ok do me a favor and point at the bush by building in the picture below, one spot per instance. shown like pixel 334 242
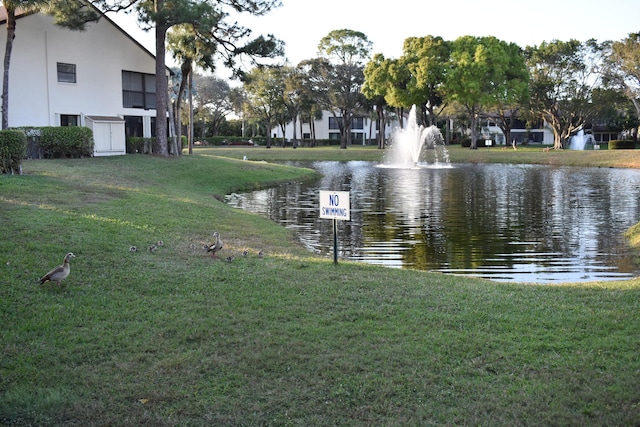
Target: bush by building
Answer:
pixel 13 148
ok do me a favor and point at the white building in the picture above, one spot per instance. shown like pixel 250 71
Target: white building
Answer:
pixel 100 78
pixel 363 129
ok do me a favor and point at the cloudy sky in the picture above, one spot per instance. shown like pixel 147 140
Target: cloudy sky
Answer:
pixel 302 23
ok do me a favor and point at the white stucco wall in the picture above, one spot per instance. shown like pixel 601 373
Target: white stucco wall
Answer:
pixel 100 54
pixel 323 131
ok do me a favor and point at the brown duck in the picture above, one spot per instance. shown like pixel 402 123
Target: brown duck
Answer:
pixel 59 273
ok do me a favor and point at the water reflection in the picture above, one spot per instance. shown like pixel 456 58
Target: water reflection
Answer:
pixel 521 223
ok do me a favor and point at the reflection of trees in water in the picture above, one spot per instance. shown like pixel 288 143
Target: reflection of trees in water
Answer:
pixel 513 220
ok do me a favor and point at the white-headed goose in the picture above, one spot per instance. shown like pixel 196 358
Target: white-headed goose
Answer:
pixel 216 245
pixel 59 273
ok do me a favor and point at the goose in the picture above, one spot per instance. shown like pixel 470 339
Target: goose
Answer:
pixel 215 246
pixel 59 273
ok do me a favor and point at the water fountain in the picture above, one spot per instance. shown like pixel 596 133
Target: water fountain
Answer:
pixel 412 143
pixel 580 140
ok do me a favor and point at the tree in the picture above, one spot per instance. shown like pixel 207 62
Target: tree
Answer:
pixel 624 68
pixel 425 61
pixel 417 77
pixel 212 96
pixel 512 89
pixel 480 77
pixel 376 86
pixel 264 87
pixel 293 97
pixel 187 47
pixel 340 69
pixel 563 75
pixel 231 39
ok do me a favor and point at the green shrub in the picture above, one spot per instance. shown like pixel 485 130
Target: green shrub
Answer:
pixel 66 141
pixel 13 148
pixel 621 144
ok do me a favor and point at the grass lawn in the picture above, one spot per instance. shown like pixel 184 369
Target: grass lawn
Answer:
pixel 176 337
pixel 523 154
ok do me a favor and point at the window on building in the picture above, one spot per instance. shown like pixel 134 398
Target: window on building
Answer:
pixel 333 136
pixel 357 138
pixel 333 123
pixel 133 126
pixel 69 120
pixel 138 90
pixel 357 123
pixel 523 124
pixel 66 73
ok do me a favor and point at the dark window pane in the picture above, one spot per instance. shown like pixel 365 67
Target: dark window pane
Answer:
pixel 66 73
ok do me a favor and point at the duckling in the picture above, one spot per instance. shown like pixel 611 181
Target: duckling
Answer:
pixel 59 273
pixel 229 258
pixel 153 248
pixel 133 249
pixel 260 253
pixel 215 246
pixel 245 253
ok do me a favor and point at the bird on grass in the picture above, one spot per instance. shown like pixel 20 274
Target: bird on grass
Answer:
pixel 260 253
pixel 59 273
pixel 229 258
pixel 216 245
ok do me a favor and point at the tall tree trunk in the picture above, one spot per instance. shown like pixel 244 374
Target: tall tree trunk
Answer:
pixel 474 133
pixel 186 71
pixel 162 86
pixel 294 121
pixel 268 134
pixel 11 34
pixel 190 117
pixel 381 127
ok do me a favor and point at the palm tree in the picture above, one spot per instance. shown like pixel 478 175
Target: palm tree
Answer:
pixel 187 46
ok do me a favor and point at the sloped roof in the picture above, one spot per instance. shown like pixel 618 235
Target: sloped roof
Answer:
pixel 109 119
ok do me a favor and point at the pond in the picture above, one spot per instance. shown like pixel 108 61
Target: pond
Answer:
pixel 520 223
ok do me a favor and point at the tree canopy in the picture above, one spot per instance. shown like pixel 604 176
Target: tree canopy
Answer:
pixel 563 76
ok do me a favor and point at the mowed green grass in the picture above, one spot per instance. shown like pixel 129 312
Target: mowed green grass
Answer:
pixel 176 337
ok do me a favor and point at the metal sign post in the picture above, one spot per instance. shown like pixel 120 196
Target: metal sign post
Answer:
pixel 335 205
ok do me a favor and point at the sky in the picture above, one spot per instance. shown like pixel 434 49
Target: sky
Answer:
pixel 302 23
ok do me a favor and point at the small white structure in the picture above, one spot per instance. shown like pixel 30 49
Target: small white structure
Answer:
pixel 108 135
pixel 100 78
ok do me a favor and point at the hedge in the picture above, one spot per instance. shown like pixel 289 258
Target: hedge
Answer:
pixel 621 144
pixel 13 148
pixel 66 141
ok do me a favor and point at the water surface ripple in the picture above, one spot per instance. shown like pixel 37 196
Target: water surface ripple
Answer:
pixel 523 223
